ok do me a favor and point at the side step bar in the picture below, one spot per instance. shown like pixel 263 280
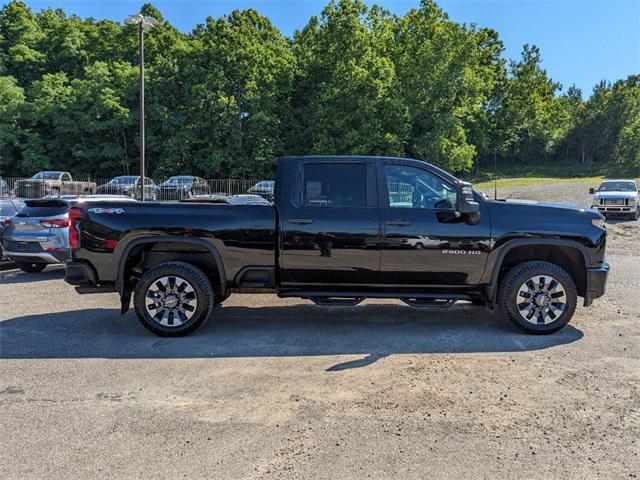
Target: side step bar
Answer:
pixel 349 299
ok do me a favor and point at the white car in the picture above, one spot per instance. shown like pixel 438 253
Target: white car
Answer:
pixel 617 197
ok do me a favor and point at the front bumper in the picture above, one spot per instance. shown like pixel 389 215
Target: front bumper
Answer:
pixel 615 209
pixel 596 283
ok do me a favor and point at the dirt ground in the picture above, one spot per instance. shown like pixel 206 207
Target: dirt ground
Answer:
pixel 275 389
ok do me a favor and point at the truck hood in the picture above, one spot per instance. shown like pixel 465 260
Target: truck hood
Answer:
pixel 629 195
pixel 549 205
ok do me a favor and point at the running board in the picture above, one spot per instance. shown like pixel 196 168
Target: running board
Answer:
pixel 351 298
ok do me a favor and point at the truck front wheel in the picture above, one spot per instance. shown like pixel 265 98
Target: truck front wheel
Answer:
pixel 173 299
pixel 537 297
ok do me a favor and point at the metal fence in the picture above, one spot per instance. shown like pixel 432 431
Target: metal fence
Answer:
pixel 172 189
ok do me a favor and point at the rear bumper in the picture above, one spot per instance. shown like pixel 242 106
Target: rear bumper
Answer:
pixel 596 283
pixel 39 257
pixel 79 273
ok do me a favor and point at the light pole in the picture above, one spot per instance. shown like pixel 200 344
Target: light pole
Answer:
pixel 143 23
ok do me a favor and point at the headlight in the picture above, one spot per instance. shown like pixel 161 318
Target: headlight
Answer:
pixel 597 222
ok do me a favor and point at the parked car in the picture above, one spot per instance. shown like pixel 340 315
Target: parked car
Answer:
pixel 331 237
pixel 182 186
pixel 264 189
pixel 38 234
pixel 617 197
pixel 128 185
pixel 8 208
pixel 52 183
pixel 4 188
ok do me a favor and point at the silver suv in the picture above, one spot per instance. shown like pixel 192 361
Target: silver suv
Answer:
pixel 38 235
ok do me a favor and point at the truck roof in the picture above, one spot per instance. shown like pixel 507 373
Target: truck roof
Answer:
pixel 375 158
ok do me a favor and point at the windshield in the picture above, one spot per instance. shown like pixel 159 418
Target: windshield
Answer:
pixel 618 187
pixel 265 184
pixel 178 180
pixel 47 175
pixel 123 180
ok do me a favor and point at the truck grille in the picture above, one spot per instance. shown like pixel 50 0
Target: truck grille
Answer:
pixel 613 201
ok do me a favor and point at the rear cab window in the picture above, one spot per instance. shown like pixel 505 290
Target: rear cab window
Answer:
pixel 334 185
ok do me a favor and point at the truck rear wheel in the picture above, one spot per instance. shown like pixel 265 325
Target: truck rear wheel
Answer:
pixel 173 299
pixel 537 297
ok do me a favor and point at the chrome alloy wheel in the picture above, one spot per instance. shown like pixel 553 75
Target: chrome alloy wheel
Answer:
pixel 541 300
pixel 171 301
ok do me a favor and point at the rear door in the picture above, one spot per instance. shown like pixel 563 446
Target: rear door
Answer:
pixel 330 223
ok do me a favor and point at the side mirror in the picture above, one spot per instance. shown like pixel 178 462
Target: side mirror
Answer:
pixel 465 202
pixel 592 191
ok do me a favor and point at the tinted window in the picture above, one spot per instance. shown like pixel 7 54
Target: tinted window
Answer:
pixel 66 177
pixel 47 175
pixel 410 187
pixel 335 184
pixel 43 208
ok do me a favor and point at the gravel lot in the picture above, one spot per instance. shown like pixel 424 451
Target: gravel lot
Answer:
pixel 282 389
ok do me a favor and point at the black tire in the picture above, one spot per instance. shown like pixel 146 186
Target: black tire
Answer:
pixel 196 280
pixel 510 301
pixel 31 267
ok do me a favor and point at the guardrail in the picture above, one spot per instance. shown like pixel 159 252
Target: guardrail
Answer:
pixel 162 189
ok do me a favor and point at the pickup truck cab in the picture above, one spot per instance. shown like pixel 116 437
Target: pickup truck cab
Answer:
pixel 343 229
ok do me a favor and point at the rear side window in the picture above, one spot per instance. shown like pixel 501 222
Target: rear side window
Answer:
pixel 335 185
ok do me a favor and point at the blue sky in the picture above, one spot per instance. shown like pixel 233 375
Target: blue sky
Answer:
pixel 581 41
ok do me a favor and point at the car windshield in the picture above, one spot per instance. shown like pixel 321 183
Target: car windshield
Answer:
pixel 123 180
pixel 265 184
pixel 178 180
pixel 617 187
pixel 47 175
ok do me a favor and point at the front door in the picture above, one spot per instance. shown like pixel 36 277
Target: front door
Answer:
pixel 331 225
pixel 424 242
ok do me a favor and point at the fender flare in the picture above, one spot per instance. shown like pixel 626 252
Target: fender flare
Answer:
pixel 125 292
pixel 492 287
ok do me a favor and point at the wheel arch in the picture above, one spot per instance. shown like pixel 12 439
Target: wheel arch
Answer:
pixel 570 255
pixel 136 248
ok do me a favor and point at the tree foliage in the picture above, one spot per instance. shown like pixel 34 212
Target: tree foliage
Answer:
pixel 229 97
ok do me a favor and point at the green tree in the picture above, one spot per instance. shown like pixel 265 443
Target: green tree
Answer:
pixel 347 98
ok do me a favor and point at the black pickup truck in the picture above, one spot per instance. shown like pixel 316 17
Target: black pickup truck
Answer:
pixel 343 229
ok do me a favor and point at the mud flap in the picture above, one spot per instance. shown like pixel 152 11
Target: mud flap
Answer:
pixel 125 300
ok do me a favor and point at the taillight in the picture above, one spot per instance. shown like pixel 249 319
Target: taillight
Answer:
pixel 75 214
pixel 55 223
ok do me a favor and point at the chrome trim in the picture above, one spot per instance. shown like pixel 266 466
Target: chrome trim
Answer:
pixel 42 255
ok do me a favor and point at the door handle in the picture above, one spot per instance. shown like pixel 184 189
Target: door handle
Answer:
pixel 399 223
pixel 300 221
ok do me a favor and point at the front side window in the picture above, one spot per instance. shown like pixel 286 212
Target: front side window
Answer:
pixel 66 177
pixel 335 185
pixel 410 187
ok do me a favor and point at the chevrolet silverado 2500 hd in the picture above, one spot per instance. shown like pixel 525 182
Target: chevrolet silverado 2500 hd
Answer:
pixel 343 229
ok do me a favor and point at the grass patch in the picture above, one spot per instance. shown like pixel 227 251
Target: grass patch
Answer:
pixel 528 181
